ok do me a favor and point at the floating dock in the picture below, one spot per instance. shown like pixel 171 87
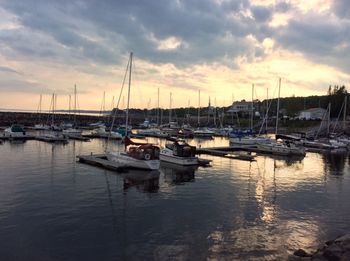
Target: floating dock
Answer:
pixel 27 137
pixel 77 137
pixel 96 136
pixel 100 160
pixel 52 139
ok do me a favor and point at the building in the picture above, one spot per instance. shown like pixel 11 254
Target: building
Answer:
pixel 241 106
pixel 312 114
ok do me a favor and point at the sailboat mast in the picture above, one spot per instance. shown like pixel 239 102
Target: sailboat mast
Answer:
pixel 278 104
pixel 252 110
pixel 344 112
pixel 128 102
pixel 40 108
pixel 267 108
pixel 199 106
pixel 170 107
pixel 329 118
pixel 158 109
pixel 75 104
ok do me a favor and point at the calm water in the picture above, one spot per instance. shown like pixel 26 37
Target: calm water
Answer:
pixel 53 208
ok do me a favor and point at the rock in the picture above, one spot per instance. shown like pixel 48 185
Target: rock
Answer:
pixel 301 253
pixel 345 240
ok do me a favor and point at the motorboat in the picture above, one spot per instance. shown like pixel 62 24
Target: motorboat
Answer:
pixel 15 131
pixel 179 152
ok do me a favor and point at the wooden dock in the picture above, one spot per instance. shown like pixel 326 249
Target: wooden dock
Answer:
pixel 52 139
pixel 77 137
pixel 95 136
pixel 27 137
pixel 100 160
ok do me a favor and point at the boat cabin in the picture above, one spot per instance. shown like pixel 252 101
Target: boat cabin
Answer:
pixel 144 152
pixel 182 149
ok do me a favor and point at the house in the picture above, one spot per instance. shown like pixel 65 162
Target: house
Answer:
pixel 241 106
pixel 312 114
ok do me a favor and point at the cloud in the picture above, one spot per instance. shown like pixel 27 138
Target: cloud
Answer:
pixel 177 44
pixel 9 70
pixel 318 37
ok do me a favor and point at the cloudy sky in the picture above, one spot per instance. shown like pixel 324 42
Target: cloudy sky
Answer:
pixel 220 47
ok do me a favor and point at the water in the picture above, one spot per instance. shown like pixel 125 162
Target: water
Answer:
pixel 53 208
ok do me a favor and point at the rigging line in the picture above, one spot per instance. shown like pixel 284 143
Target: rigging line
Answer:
pixel 268 109
pixel 116 108
pixel 336 123
pixel 136 84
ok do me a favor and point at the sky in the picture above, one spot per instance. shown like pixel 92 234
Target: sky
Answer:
pixel 219 47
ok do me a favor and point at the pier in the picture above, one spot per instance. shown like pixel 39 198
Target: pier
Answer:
pixel 100 160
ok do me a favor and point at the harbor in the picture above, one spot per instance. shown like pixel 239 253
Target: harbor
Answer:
pixel 174 130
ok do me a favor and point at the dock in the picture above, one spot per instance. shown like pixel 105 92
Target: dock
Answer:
pixel 24 138
pixel 231 154
pixel 95 136
pixel 53 139
pixel 100 160
pixel 77 137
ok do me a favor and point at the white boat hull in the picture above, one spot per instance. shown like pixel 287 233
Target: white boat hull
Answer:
pixel 72 131
pixel 184 161
pixel 124 160
pixel 249 140
pixel 283 150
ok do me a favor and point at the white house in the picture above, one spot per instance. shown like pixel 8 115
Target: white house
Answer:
pixel 312 114
pixel 241 106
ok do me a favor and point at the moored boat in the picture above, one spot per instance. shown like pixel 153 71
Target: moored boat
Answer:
pixel 144 156
pixel 15 131
pixel 284 149
pixel 180 153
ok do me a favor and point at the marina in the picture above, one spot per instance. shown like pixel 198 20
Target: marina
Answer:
pixel 174 130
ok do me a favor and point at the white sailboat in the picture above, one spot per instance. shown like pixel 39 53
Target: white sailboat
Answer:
pixel 40 125
pixel 140 156
pixel 73 130
pixel 102 133
pixel 279 148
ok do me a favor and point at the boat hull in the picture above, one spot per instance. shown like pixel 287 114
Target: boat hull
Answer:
pixel 183 161
pixel 124 160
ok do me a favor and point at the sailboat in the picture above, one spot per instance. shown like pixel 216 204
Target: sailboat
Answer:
pixel 40 125
pixel 73 130
pixel 279 148
pixel 141 155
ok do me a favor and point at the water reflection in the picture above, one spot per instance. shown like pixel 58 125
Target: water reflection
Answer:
pixel 143 181
pixel 334 163
pixel 260 210
pixel 176 174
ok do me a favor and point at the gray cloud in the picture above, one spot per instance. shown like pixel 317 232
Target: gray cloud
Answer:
pixel 319 39
pixel 83 34
pixel 8 70
pixel 121 26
